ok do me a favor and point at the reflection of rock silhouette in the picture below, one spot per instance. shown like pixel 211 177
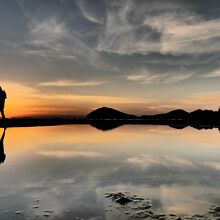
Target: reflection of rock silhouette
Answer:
pixel 106 125
pixel 178 126
pixel 2 153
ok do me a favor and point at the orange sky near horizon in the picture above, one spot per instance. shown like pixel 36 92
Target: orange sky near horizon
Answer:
pixel 25 101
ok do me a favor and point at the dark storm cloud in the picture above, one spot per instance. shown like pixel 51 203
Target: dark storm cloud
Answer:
pixel 157 41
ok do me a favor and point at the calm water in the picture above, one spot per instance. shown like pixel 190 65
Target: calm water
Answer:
pixel 68 170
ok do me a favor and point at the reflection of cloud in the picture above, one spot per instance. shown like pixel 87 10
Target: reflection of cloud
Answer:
pixel 213 165
pixel 72 184
pixel 146 161
pixel 70 154
pixel 178 199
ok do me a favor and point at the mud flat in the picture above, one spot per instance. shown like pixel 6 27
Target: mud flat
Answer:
pixel 140 207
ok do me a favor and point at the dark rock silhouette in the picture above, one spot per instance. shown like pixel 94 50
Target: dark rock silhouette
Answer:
pixel 206 117
pixel 109 113
pixel 123 200
pixel 107 118
pixel 119 197
pixel 175 114
pixel 179 119
pixel 2 153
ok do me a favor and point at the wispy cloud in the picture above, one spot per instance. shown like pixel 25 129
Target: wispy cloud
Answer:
pixel 50 37
pixel 122 36
pixel 197 37
pixel 71 83
pixel 70 154
pixel 128 43
pixel 154 78
pixel 142 28
pixel 49 30
pixel 215 73
pixel 89 13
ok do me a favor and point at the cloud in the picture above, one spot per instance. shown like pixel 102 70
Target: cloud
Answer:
pixel 70 154
pixel 203 100
pixel 53 38
pixel 124 37
pixel 154 78
pixel 198 37
pixel 91 11
pixel 215 73
pixel 169 28
pixel 49 30
pixel 126 42
pixel 71 83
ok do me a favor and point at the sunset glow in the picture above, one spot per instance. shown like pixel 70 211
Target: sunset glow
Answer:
pixel 70 57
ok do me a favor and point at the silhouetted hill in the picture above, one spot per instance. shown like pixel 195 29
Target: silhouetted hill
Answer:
pixel 109 113
pixel 178 113
pixel 175 114
pixel 204 117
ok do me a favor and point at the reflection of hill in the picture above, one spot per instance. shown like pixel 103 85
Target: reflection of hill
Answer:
pixel 178 126
pixel 106 125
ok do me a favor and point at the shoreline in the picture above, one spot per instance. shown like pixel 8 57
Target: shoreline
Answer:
pixel 103 124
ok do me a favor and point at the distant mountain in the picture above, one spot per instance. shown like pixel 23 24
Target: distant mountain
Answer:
pixel 175 114
pixel 109 113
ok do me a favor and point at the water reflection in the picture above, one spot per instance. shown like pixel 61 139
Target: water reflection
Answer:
pixel 112 124
pixel 2 153
pixel 70 168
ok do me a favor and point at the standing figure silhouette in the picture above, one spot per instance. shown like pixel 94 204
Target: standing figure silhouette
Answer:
pixel 3 96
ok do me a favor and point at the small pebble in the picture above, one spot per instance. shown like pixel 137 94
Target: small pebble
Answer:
pixel 18 212
pixel 172 215
pixel 217 208
pixel 48 211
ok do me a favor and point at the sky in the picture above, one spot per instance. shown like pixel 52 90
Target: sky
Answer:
pixel 68 57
